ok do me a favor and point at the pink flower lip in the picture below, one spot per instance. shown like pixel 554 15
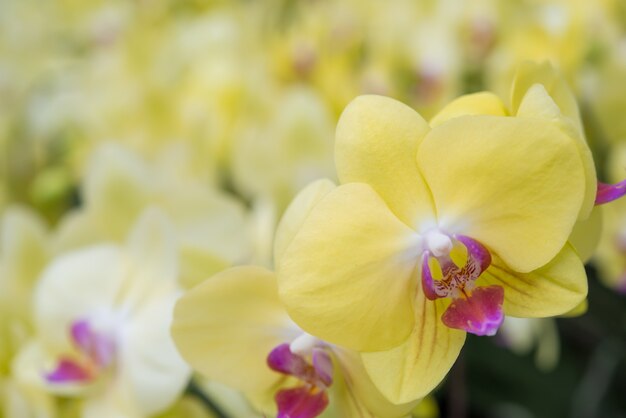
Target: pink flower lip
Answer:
pixel 479 313
pixel 96 352
pixel 68 371
pixel 477 310
pixel 300 402
pixel 455 278
pixel 310 399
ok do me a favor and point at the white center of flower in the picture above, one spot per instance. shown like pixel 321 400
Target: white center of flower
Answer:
pixel 303 345
pixel 438 244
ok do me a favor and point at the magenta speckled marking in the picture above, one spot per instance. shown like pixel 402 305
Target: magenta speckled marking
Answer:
pixel 455 278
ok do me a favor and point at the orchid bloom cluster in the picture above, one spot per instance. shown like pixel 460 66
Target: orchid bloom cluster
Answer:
pixel 299 209
pixel 435 230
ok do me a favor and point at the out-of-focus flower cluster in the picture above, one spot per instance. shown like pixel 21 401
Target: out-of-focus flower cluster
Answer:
pixel 150 145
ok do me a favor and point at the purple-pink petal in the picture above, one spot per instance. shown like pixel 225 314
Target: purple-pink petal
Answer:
pixel 282 360
pixel 68 371
pixel 98 347
pixel 323 365
pixel 301 402
pixel 428 282
pixel 479 314
pixel 81 335
pixel 476 252
pixel 609 192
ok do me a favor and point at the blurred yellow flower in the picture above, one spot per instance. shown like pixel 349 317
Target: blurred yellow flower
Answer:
pixel 102 317
pixel 211 227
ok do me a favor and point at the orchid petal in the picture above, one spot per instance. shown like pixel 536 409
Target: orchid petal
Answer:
pixel 323 365
pixel 116 183
pixel 537 102
pixel 476 253
pixel 282 360
pixel 530 73
pixel 586 235
pixel 480 313
pixel 413 369
pixel 513 184
pixel 74 285
pixel 609 257
pixel 553 289
pixel 152 243
pixel 296 214
pixel 377 140
pixel 483 103
pixel 339 265
pixel 68 371
pixel 355 395
pixel 152 259
pixel 301 402
pixel 610 192
pixel 428 282
pixel 97 347
pixel 149 366
pixel 226 327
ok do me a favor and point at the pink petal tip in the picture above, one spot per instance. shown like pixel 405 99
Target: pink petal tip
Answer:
pixel 300 402
pixel 479 314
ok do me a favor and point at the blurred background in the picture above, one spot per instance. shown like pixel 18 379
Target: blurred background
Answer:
pixel 229 107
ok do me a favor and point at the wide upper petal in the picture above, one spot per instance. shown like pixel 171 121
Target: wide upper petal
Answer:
pixel 514 184
pixel 377 140
pixel 554 289
pixel 412 370
pixel 348 275
pixel 226 327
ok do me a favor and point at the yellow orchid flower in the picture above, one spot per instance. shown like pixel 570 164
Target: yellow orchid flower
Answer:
pixel 434 232
pixel 233 329
pixel 102 316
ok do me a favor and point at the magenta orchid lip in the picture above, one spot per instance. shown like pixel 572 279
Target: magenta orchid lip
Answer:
pixel 309 399
pixel 95 353
pixel 477 310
